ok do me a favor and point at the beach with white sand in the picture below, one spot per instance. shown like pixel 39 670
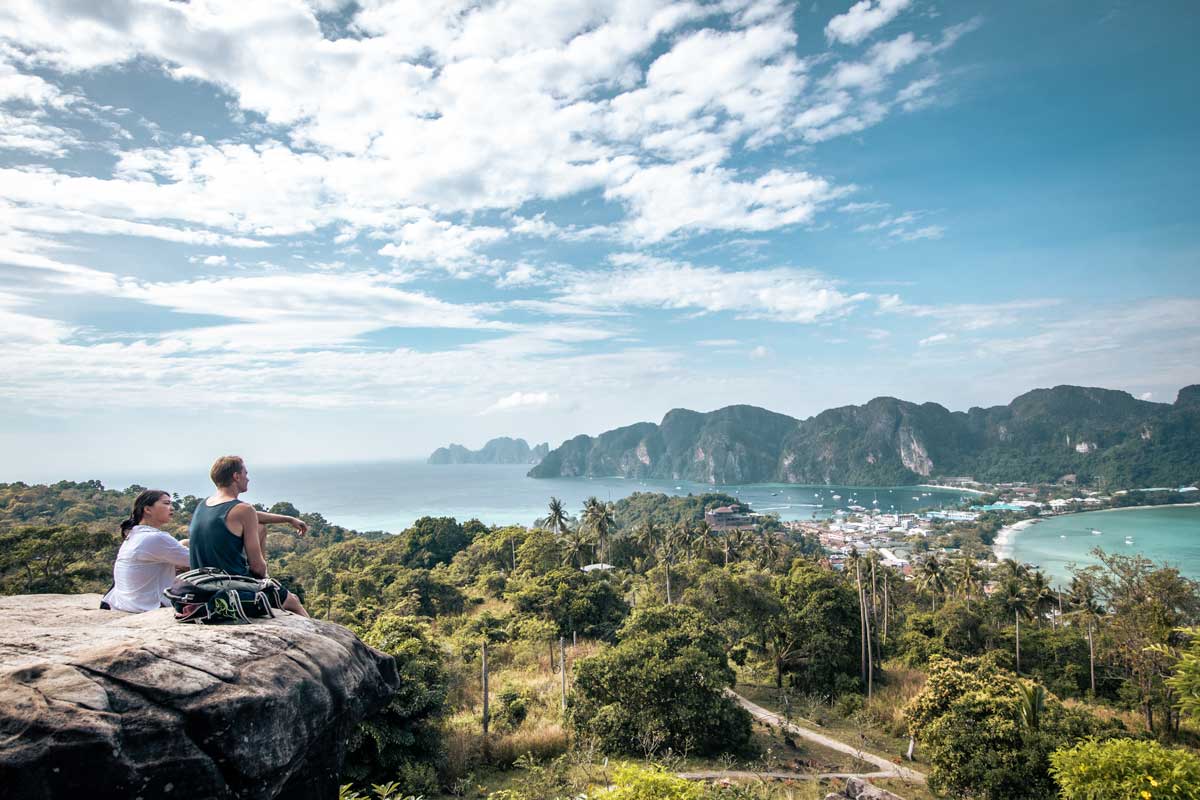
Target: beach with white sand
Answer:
pixel 1003 545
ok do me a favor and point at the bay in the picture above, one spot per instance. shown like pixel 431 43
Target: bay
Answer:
pixel 390 495
pixel 1164 534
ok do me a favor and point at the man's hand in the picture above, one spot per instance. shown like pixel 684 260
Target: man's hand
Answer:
pixel 300 525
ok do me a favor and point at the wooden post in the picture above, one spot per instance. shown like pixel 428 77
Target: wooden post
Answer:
pixel 562 664
pixel 574 640
pixel 485 698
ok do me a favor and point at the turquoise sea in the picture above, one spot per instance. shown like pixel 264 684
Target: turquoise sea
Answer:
pixel 1167 534
pixel 390 495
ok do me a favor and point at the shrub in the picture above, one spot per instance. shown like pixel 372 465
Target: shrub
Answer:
pixel 662 686
pixel 402 740
pixel 988 734
pixel 1125 768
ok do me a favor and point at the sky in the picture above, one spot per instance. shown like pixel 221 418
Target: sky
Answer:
pixel 331 231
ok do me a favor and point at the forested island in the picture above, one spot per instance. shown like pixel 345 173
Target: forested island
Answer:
pixel 1100 435
pixel 999 686
pixel 502 450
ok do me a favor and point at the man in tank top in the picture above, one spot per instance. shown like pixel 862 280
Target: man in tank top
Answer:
pixel 230 534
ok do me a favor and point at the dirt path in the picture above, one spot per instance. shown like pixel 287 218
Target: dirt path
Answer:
pixel 887 768
pixel 736 775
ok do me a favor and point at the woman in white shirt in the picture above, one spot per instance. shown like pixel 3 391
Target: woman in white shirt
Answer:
pixel 148 557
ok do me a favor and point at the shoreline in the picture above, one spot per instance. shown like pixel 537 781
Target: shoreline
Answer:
pixel 950 488
pixel 1002 545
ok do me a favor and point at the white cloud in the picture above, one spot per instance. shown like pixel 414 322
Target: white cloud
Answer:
pixel 760 352
pixel 972 316
pixel 718 342
pixel 1146 396
pixel 671 198
pixel 780 294
pixel 522 400
pixel 937 338
pixel 863 19
pixel 210 261
pixel 859 208
pixel 915 234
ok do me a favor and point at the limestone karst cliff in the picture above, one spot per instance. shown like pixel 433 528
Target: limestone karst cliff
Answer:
pixel 1040 435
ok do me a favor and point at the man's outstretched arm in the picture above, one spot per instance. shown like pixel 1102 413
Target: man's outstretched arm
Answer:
pixel 266 518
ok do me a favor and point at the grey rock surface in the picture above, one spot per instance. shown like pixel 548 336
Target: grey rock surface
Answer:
pixel 101 704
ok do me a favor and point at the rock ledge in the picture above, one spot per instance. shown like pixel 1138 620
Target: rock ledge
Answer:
pixel 102 704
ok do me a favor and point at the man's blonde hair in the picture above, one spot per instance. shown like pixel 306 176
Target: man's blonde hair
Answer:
pixel 224 468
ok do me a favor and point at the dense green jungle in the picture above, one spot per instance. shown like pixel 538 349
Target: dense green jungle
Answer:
pixel 615 682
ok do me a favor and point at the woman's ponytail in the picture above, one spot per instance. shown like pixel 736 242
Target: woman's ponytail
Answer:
pixel 144 500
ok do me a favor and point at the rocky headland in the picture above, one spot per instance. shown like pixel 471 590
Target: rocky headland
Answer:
pixel 502 450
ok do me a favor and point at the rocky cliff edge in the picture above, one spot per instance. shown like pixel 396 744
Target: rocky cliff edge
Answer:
pixel 101 704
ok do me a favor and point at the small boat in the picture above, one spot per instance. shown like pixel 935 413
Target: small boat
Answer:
pixel 837 497
pixel 916 498
pixel 1062 536
pixel 1096 532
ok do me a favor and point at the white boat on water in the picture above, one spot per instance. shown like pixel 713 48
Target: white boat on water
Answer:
pixel 1096 532
pixel 837 497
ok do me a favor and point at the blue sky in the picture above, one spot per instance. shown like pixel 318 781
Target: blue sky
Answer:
pixel 307 231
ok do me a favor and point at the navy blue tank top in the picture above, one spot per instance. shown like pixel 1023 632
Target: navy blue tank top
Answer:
pixel 210 543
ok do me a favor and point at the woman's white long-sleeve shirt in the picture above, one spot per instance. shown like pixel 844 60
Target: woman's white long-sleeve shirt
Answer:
pixel 145 567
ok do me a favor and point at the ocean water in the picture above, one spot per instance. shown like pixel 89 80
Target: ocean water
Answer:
pixel 390 495
pixel 1165 534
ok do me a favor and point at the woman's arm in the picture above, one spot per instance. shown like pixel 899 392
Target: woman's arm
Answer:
pixel 164 547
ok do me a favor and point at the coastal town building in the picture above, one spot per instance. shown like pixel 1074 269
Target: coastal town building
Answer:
pixel 730 518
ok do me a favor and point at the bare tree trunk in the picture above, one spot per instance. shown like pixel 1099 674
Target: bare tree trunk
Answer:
pixel 562 665
pixel 485 699
pixel 1017 617
pixel 862 624
pixel 886 608
pixel 1092 658
pixel 667 566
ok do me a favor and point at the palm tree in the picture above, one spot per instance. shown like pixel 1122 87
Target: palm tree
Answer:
pixel 735 541
pixel 703 538
pixel 1042 597
pixel 556 520
pixel 599 518
pixel 966 576
pixel 1014 598
pixel 932 578
pixel 575 543
pixel 864 622
pixel 666 555
pixel 1033 703
pixel 1087 608
pixel 1011 568
pixel 646 534
pixel 683 536
pixel 770 548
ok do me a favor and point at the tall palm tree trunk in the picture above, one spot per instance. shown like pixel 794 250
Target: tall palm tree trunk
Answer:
pixel 1017 617
pixel 1092 658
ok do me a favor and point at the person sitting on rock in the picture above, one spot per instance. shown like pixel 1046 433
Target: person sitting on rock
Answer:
pixel 230 534
pixel 148 558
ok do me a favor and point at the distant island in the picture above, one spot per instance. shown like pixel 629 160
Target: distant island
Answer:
pixel 1074 432
pixel 503 450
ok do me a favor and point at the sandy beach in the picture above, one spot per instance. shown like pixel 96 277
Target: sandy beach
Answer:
pixel 951 488
pixel 1002 547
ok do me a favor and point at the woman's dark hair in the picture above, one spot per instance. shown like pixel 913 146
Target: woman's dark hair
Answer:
pixel 144 500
